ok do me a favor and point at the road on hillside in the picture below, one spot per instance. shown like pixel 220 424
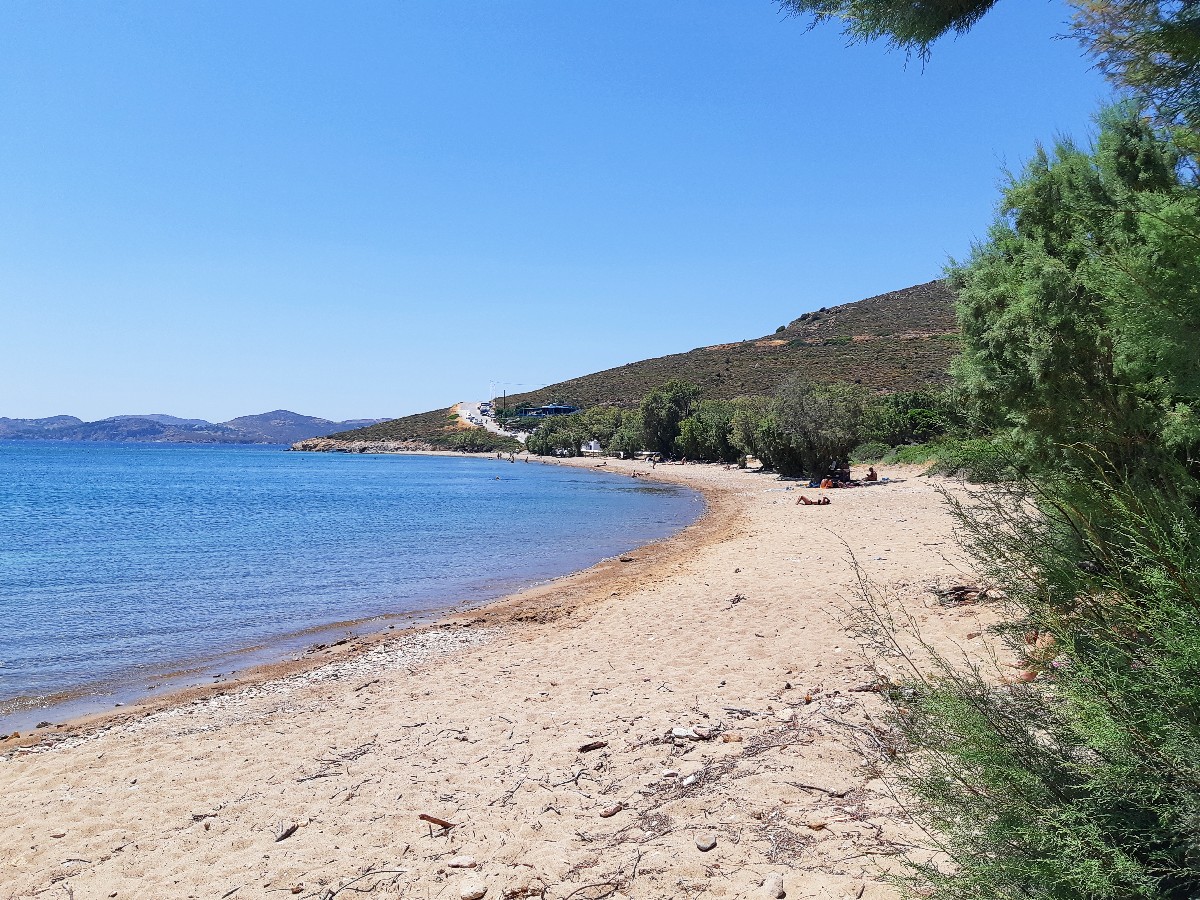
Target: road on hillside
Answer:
pixel 469 412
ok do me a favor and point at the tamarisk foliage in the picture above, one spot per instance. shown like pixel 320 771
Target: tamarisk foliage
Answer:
pixel 1077 777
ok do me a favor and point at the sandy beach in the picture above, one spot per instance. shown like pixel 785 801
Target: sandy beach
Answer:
pixel 683 721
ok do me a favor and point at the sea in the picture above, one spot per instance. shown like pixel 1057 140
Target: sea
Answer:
pixel 127 569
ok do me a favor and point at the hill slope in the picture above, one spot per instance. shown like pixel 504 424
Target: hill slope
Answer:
pixel 439 429
pixel 901 340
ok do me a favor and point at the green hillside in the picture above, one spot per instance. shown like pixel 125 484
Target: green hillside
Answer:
pixel 902 340
pixel 434 427
pixel 439 429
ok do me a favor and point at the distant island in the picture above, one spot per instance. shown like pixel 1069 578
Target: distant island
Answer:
pixel 280 426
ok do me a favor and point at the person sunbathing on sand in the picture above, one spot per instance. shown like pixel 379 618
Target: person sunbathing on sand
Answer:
pixel 820 501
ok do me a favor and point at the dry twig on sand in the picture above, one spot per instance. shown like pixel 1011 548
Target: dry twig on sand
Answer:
pixel 434 820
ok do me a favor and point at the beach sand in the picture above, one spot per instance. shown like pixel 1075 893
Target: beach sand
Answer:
pixel 711 672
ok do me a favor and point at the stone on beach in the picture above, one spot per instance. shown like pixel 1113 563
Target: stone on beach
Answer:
pixel 773 886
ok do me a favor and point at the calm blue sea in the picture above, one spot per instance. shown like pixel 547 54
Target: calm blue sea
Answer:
pixel 119 563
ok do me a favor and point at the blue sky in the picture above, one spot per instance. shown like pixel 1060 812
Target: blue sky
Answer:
pixel 376 208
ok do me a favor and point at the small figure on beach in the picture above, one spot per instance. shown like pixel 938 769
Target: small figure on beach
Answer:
pixel 820 501
pixel 872 475
pixel 839 471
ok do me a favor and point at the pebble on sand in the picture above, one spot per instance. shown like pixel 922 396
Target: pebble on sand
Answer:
pixel 462 862
pixel 773 886
pixel 706 842
pixel 473 890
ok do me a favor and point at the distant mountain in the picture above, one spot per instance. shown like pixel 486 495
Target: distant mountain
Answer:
pixel 162 419
pixel 278 427
pixel 23 427
pixel 284 427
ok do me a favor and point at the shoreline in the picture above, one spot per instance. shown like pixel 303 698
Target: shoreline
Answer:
pixel 697 720
pixel 132 702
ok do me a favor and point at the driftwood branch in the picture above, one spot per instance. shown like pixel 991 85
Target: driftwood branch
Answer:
pixel 434 820
pixel 816 787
